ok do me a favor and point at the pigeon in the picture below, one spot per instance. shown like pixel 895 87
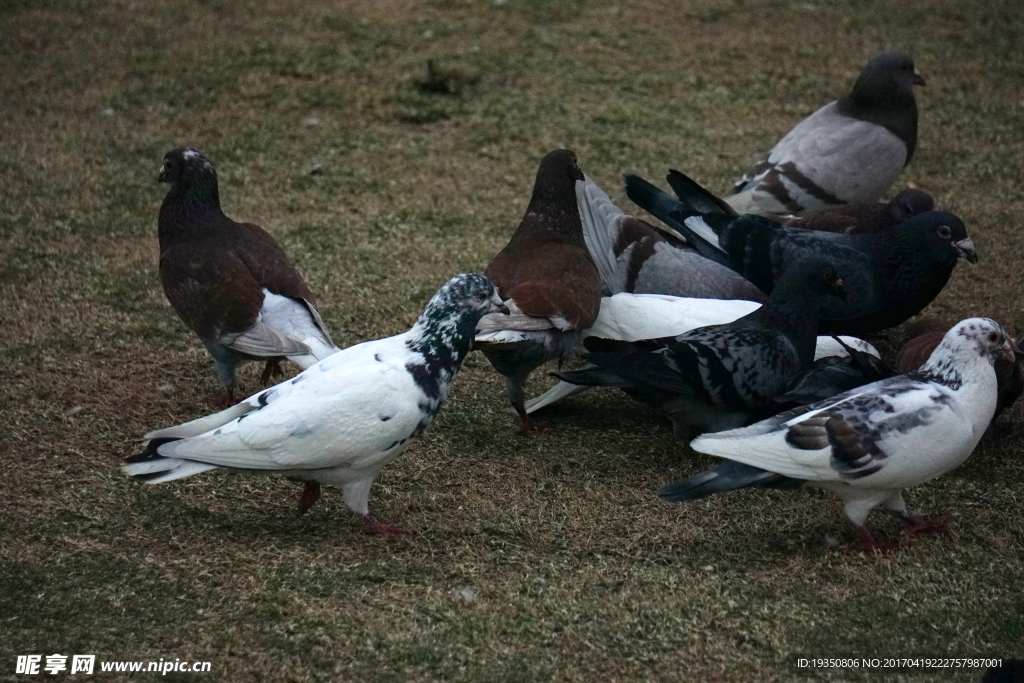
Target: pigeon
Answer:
pixel 720 377
pixel 848 152
pixel 889 276
pixel 340 421
pixel 869 444
pixel 861 219
pixel 632 256
pixel 634 317
pixel 548 280
pixel 231 282
pixel 924 335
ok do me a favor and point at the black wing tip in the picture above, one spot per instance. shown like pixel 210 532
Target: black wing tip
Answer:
pixel 151 451
pixel 727 476
pixel 148 476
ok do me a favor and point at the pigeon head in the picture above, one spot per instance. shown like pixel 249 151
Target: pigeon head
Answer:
pixel 940 234
pixel 556 178
pixel 472 294
pixel 909 203
pixel 809 278
pixel 191 176
pixel 970 339
pixel 453 313
pixel 887 73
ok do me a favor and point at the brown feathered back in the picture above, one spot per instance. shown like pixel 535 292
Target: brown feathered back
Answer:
pixel 546 267
pixel 861 219
pixel 921 339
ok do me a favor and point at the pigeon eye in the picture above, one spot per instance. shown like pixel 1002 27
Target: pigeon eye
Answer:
pixel 945 232
pixel 481 296
pixel 993 337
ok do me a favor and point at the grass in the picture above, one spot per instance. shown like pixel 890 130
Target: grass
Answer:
pixel 538 559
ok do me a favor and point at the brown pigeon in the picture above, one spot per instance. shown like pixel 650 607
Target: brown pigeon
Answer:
pixel 548 279
pixel 231 282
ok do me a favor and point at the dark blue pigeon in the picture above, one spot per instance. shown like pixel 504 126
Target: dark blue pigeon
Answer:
pixel 889 276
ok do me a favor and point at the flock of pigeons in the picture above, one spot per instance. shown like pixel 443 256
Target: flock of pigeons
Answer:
pixel 726 319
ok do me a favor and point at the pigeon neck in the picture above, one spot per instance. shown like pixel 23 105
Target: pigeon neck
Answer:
pixel 551 217
pixel 197 193
pixel 794 311
pixel 913 275
pixel 442 336
pixel 185 204
pixel 964 369
pixel 887 105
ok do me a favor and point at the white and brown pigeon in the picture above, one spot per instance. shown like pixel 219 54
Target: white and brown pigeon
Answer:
pixel 548 280
pixel 868 444
pixel 231 282
pixel 849 151
pixel 342 420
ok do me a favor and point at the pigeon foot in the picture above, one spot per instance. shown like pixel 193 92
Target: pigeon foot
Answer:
pixel 526 426
pixel 374 527
pixel 270 370
pixel 866 543
pixel 310 495
pixel 222 399
pixel 928 525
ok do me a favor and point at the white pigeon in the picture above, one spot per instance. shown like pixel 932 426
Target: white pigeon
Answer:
pixel 869 444
pixel 340 421
pixel 850 151
pixel 632 317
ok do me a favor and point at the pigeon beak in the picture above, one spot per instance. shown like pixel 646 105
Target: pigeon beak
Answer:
pixel 162 178
pixel 840 290
pixel 1009 353
pixel 918 78
pixel 498 306
pixel 965 249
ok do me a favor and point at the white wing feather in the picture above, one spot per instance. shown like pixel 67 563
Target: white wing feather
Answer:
pixel 331 415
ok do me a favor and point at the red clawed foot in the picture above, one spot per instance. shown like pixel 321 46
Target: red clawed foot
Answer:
pixel 866 543
pixel 527 426
pixel 377 528
pixel 310 495
pixel 222 399
pixel 928 525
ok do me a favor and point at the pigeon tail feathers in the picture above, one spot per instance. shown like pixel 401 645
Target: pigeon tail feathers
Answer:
pixel 152 468
pixel 726 476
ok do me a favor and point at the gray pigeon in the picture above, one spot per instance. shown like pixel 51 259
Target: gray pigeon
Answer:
pixel 848 152
pixel 340 421
pixel 634 257
pixel 868 444
pixel 720 377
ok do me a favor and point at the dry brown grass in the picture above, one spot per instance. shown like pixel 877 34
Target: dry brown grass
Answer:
pixel 576 571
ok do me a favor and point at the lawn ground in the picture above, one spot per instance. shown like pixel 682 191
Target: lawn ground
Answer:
pixel 546 558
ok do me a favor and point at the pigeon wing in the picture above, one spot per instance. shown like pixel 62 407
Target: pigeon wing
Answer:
pixel 353 409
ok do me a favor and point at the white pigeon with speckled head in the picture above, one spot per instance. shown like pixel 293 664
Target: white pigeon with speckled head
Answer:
pixel 340 421
pixel 869 444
